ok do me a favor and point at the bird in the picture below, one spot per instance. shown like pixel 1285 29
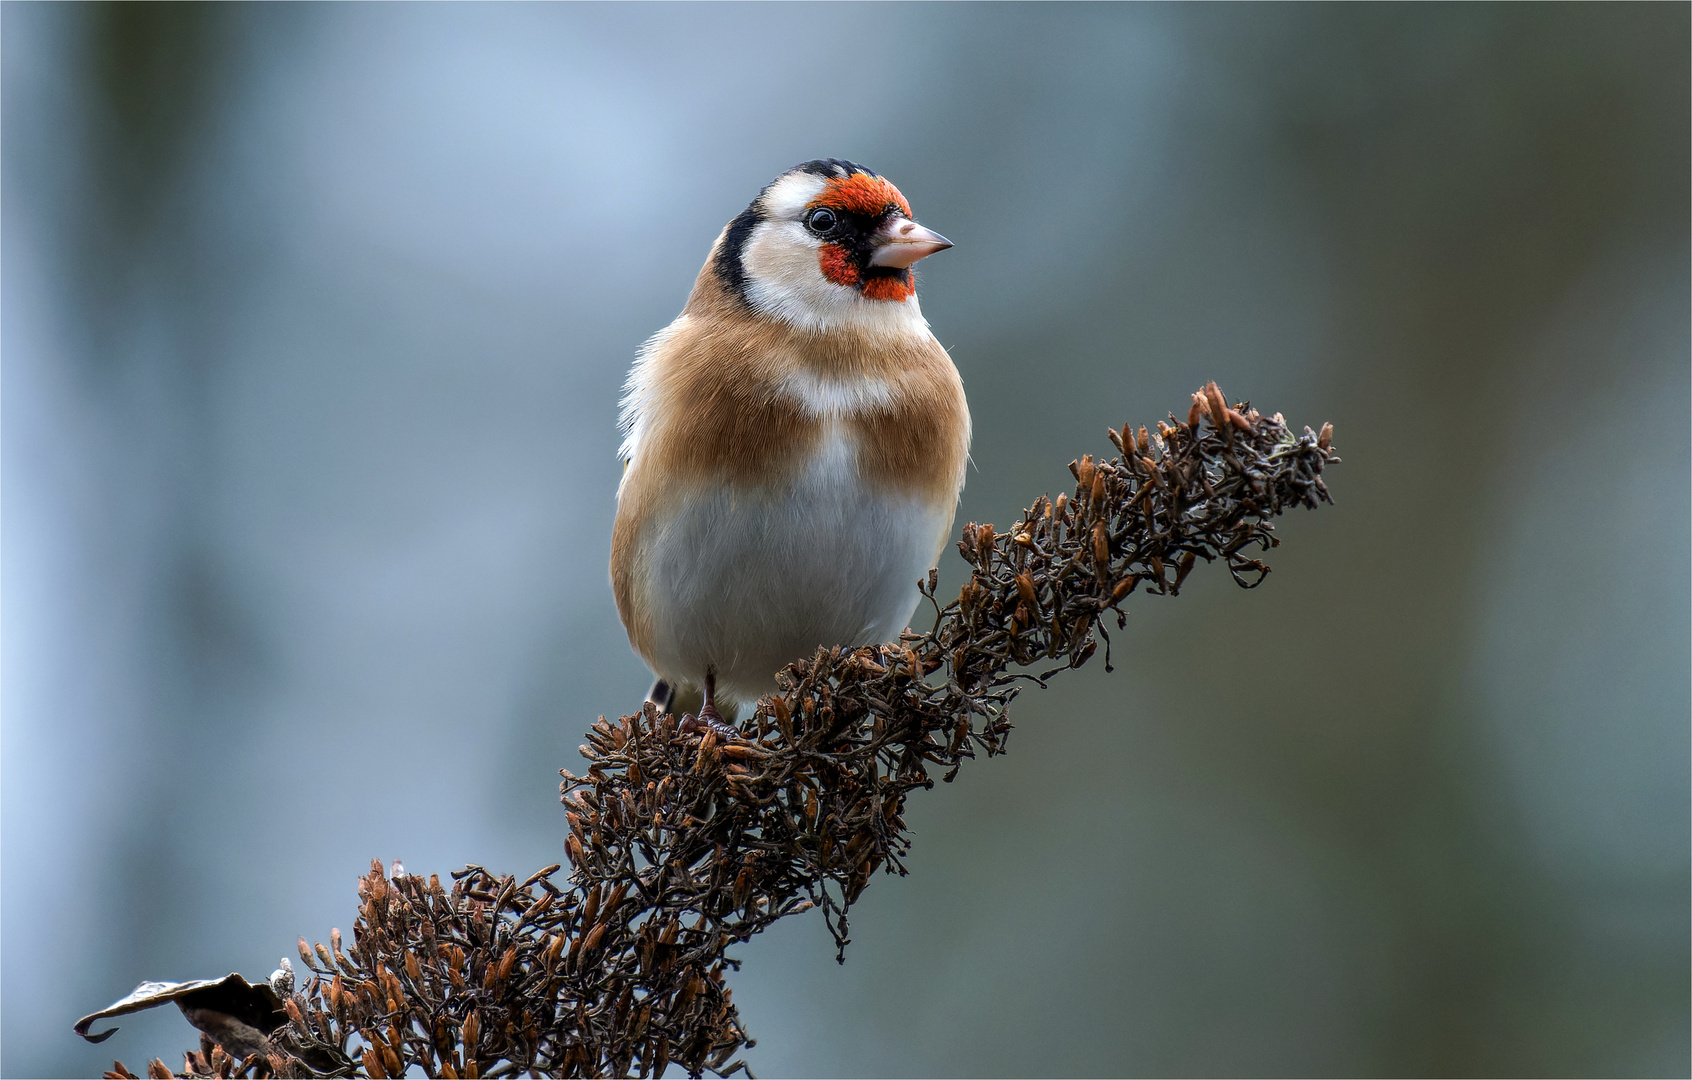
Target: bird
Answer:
pixel 794 445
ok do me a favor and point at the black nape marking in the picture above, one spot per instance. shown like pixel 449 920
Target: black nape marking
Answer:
pixel 731 270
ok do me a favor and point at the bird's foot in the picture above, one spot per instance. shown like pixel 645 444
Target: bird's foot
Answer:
pixel 708 719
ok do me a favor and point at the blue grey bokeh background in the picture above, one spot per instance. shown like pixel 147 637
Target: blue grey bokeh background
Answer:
pixel 314 319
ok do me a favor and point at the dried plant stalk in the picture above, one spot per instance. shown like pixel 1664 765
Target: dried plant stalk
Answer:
pixel 683 844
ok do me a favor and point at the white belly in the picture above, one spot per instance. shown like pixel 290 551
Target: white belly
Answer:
pixel 747 581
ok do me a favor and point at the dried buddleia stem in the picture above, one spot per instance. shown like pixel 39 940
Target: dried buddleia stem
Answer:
pixel 681 845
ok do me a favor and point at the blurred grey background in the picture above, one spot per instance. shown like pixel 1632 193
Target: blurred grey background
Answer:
pixel 314 321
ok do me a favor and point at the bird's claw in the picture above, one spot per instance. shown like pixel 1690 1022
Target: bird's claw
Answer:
pixel 707 719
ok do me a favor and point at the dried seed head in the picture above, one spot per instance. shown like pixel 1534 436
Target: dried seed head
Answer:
pixel 1325 439
pixel 1085 474
pixel 1196 413
pixel 1144 440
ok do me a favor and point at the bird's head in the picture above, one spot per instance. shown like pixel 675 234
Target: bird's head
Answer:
pixel 826 244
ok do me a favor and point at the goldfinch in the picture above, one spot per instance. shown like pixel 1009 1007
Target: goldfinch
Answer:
pixel 794 444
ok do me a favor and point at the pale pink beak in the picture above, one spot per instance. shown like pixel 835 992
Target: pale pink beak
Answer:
pixel 901 242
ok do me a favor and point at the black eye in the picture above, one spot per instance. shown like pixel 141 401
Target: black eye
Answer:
pixel 821 220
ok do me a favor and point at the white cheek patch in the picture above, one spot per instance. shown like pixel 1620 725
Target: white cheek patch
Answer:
pixel 780 258
pixel 785 281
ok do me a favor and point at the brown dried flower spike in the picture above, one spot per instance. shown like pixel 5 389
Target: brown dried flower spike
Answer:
pixel 683 844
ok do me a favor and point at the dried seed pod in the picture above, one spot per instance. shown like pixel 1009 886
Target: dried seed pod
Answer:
pixel 555 948
pixel 1084 475
pixel 593 938
pixel 1152 471
pixel 1325 439
pixel 1218 405
pixel 1101 545
pixel 1025 588
pixel 615 900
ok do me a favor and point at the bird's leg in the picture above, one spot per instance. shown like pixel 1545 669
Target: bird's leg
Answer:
pixel 708 716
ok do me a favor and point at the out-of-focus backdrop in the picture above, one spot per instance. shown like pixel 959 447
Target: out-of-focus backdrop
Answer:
pixel 314 322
